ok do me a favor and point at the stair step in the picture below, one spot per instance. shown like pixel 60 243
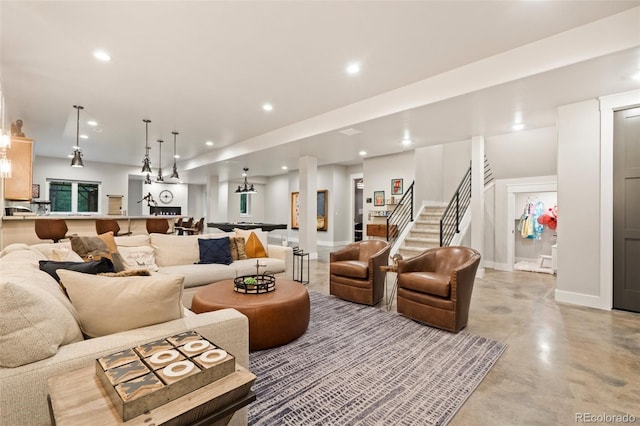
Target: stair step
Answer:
pixel 427 222
pixel 424 231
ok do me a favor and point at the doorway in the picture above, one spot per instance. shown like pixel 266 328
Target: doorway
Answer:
pixel 626 210
pixel 357 205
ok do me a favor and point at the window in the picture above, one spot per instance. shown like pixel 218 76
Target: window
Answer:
pixel 245 205
pixel 74 197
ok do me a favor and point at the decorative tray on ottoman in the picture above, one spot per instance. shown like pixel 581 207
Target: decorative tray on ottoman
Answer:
pixel 254 284
pixel 147 376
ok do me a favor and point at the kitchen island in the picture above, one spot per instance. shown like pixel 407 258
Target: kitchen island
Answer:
pixel 21 228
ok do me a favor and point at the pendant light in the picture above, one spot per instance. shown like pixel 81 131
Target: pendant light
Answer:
pixel 146 162
pixel 159 178
pixel 174 174
pixel 76 161
pixel 245 188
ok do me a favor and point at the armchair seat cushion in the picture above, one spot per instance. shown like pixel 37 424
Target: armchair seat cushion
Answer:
pixel 350 268
pixel 351 282
pixel 426 282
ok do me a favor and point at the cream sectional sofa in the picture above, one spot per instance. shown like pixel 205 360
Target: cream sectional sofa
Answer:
pixel 40 334
pixel 179 254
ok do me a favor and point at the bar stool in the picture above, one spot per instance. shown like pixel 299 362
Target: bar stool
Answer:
pixel 105 225
pixel 51 229
pixel 158 226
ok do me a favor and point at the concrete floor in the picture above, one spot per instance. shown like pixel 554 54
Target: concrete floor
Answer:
pixel 561 361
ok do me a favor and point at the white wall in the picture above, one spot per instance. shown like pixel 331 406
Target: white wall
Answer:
pixel 378 172
pixel 523 154
pixel 278 202
pixel 456 159
pixel 256 213
pixel 196 201
pixel 429 165
pixel 488 255
pixel 579 203
pixel 180 196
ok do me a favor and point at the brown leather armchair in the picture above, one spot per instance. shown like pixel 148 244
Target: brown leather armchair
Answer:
pixel 355 271
pixel 105 225
pixel 51 229
pixel 435 286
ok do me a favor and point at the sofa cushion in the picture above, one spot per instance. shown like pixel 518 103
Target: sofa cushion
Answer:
pixel 426 282
pixel 93 267
pixel 350 268
pixel 132 240
pixel 174 250
pixel 248 266
pixel 133 301
pixel 215 250
pixel 35 316
pixel 200 274
pixel 253 247
pixel 61 251
pixel 138 257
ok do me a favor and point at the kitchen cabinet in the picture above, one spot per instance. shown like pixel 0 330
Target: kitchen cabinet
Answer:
pixel 18 186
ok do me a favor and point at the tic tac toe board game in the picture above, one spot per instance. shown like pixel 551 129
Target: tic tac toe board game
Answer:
pixel 142 378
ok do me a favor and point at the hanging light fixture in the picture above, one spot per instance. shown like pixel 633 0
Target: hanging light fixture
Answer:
pixel 245 188
pixel 146 162
pixel 5 163
pixel 174 174
pixel 76 161
pixel 160 178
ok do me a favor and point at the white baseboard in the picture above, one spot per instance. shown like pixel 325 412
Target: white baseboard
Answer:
pixel 581 299
pixel 502 267
pixel 488 264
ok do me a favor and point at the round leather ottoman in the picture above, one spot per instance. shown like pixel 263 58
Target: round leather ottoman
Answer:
pixel 275 318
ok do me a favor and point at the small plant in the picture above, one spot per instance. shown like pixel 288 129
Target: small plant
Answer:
pixel 250 280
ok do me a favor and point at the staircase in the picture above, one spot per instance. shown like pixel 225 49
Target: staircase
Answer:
pixel 424 234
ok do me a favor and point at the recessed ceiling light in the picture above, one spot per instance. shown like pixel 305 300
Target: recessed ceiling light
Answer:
pixel 636 76
pixel 284 167
pixel 176 156
pixel 69 155
pixel 353 68
pixel 92 123
pixel 84 137
pixel 406 142
pixel 267 107
pixel 363 153
pixel 518 126
pixel 209 143
pixel 101 55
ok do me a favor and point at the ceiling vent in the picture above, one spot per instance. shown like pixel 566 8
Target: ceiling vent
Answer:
pixel 350 131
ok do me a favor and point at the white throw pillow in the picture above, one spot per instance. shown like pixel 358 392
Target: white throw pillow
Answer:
pixel 35 316
pixel 132 240
pixel 138 257
pixel 108 305
pixel 172 250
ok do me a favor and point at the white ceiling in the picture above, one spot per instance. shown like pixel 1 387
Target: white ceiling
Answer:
pixel 205 68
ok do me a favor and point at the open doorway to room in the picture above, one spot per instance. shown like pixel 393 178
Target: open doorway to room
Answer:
pixel 357 205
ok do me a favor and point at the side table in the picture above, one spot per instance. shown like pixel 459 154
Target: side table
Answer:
pixel 385 269
pixel 77 398
pixel 298 257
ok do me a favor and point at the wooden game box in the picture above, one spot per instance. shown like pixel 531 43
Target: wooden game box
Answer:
pixel 147 376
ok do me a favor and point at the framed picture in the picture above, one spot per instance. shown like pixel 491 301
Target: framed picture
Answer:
pixel 322 213
pixel 35 190
pixel 378 198
pixel 396 186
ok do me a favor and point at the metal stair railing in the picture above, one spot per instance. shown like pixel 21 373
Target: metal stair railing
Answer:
pixel 457 207
pixel 401 215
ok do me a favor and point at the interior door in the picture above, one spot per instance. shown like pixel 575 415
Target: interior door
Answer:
pixel 626 210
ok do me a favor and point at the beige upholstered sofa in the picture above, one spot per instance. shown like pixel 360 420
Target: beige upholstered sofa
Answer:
pixel 40 334
pixel 179 255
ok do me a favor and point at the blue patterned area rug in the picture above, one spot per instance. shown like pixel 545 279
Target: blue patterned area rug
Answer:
pixel 360 365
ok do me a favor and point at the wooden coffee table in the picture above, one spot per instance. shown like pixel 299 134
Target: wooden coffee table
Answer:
pixel 275 318
pixel 77 398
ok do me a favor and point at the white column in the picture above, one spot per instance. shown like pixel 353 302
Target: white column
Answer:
pixel 223 202
pixel 308 231
pixel 211 199
pixel 477 197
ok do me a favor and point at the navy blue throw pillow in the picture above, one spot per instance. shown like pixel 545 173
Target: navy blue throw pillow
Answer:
pixel 215 250
pixel 94 267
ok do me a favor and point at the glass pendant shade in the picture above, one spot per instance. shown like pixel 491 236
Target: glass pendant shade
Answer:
pixel 76 161
pixel 174 173
pixel 5 168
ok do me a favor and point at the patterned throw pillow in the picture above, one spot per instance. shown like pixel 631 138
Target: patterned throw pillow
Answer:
pixel 236 245
pixel 138 257
pixel 215 250
pixel 95 248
